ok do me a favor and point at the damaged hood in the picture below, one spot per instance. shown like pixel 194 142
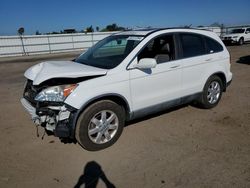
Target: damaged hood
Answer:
pixel 61 69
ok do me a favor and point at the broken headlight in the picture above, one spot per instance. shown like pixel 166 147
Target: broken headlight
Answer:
pixel 55 93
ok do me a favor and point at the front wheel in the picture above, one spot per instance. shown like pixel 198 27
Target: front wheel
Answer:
pixel 212 93
pixel 241 41
pixel 100 125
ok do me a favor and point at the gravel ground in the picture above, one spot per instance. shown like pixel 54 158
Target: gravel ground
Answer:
pixel 184 147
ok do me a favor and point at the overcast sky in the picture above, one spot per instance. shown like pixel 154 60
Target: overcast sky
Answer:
pixel 56 15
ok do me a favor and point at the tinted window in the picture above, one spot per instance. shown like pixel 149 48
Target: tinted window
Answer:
pixel 160 48
pixel 213 46
pixel 248 29
pixel 238 31
pixel 192 45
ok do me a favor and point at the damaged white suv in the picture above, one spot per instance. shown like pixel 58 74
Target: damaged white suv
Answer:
pixel 125 76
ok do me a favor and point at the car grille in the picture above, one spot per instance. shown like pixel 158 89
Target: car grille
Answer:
pixel 227 38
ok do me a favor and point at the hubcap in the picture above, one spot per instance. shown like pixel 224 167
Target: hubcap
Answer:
pixel 103 127
pixel 213 93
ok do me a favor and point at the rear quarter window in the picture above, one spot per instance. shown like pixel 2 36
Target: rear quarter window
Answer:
pixel 192 45
pixel 213 46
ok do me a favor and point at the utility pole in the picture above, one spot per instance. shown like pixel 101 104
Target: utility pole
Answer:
pixel 20 32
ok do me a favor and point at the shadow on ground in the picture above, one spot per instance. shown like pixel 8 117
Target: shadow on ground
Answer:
pixel 244 60
pixel 156 114
pixel 91 174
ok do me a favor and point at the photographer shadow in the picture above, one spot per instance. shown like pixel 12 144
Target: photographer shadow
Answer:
pixel 91 175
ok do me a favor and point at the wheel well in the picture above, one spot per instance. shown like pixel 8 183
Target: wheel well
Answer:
pixel 241 38
pixel 223 79
pixel 115 98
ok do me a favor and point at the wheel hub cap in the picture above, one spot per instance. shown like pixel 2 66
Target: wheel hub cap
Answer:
pixel 214 92
pixel 103 127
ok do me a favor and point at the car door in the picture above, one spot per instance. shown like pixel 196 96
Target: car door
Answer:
pixel 199 55
pixel 151 89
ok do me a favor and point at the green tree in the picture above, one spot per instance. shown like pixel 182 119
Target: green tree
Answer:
pixel 113 27
pixel 37 32
pixel 89 29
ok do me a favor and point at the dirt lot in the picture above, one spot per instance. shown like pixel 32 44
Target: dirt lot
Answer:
pixel 186 147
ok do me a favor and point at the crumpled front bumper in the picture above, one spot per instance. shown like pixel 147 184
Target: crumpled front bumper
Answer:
pixel 57 119
pixel 31 110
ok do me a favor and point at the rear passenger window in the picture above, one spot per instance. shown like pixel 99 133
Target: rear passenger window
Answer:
pixel 192 45
pixel 213 46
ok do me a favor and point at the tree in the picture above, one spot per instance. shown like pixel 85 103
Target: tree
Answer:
pixel 20 31
pixel 89 29
pixel 37 32
pixel 97 28
pixel 113 27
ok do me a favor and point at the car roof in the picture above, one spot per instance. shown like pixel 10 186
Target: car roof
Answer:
pixel 141 32
pixel 148 31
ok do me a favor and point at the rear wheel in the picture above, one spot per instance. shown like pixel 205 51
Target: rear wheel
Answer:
pixel 100 125
pixel 212 93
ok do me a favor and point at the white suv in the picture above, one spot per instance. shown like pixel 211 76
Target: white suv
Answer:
pixel 237 36
pixel 125 76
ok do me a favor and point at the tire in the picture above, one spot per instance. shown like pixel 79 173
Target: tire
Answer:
pixel 241 41
pixel 212 93
pixel 100 125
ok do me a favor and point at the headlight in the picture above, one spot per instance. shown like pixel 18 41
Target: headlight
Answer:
pixel 235 37
pixel 55 93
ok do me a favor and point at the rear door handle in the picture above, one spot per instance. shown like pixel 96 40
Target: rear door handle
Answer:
pixel 175 66
pixel 210 59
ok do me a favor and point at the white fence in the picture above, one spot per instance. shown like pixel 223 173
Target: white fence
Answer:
pixel 216 30
pixel 40 44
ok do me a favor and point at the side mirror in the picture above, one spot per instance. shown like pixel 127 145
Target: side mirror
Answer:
pixel 146 63
pixel 247 32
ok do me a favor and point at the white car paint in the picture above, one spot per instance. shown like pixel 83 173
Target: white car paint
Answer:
pixel 235 37
pixel 139 88
pixel 180 77
pixel 60 69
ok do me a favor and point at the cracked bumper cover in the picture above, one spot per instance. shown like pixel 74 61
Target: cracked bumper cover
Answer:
pixel 57 119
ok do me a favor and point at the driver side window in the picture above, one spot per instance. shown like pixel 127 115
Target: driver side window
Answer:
pixel 160 48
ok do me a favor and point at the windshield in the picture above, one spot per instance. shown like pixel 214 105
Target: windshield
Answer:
pixel 109 52
pixel 238 31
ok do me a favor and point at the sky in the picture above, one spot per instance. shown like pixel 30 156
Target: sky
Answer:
pixel 55 15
